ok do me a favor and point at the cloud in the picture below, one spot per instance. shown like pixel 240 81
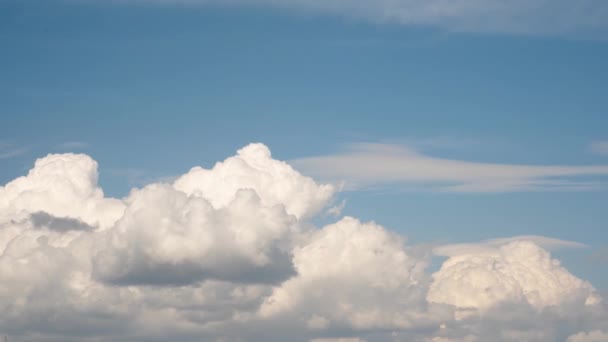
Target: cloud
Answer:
pixel 592 336
pixel 518 271
pixel 253 168
pixel 231 253
pixel 586 18
pixel 9 151
pixel 489 246
pixel 62 185
pixel 337 209
pixel 366 165
pixel 599 148
pixel 168 238
pixel 340 262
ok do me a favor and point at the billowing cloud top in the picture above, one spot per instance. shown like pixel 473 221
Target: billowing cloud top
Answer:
pixel 519 271
pixel 274 181
pixel 64 185
pixel 230 254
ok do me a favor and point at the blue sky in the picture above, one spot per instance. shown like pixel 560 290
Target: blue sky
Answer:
pixel 150 90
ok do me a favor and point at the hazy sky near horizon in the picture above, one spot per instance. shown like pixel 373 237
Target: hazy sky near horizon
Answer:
pixel 446 123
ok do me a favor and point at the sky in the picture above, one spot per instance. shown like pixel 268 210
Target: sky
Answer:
pixel 266 170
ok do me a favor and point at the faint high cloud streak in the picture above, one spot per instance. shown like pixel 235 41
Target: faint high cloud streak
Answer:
pixel 73 145
pixel 491 245
pixel 535 17
pixel 368 165
pixel 8 150
pixel 599 147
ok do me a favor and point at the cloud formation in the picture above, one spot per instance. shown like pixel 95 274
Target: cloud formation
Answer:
pixel 592 336
pixel 599 148
pixel 231 254
pixel 8 150
pixel 365 165
pixel 535 17
pixel 519 271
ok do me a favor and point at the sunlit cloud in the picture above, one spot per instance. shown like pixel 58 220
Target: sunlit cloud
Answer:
pixel 599 148
pixel 232 253
pixel 369 165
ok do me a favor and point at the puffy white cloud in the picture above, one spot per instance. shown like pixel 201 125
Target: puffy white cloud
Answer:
pixel 518 271
pixel 356 274
pixel 229 254
pixel 168 237
pixel 62 185
pixel 274 181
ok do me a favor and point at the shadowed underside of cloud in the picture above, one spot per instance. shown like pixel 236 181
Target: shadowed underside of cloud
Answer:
pixel 368 165
pixel 230 254
pixel 586 18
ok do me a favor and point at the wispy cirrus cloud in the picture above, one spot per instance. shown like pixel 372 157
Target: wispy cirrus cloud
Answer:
pixel 535 17
pixel 369 165
pixel 599 147
pixel 8 150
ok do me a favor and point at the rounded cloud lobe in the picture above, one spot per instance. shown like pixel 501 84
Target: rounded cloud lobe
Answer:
pixel 63 185
pixel 168 237
pixel 230 253
pixel 338 264
pixel 275 182
pixel 519 271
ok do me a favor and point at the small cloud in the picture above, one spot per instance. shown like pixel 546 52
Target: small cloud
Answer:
pixel 599 147
pixel 547 243
pixel 336 210
pixel 8 150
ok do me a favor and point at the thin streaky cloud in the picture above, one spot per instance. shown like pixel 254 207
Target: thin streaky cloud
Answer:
pixel 583 18
pixel 368 165
pixel 489 246
pixel 10 152
pixel 599 147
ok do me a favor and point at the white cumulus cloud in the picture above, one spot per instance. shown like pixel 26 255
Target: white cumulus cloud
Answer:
pixel 253 168
pixel 518 271
pixel 340 262
pixel 63 185
pixel 232 254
